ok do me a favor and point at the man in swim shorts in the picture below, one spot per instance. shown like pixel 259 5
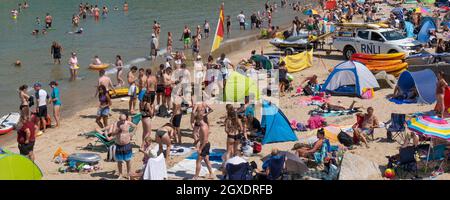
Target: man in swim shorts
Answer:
pixel 176 118
pixel 186 37
pixel 151 88
pixel 160 85
pixel 105 81
pixel 154 46
pixel 41 102
pixel 204 147
pixel 241 19
pixel 48 21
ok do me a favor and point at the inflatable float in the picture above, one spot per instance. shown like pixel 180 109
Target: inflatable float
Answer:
pixel 8 122
pixel 89 158
pixel 377 62
pixel 390 56
pixel 98 67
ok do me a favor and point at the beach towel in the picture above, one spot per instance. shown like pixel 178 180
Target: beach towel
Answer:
pixel 316 121
pixel 176 150
pixel 402 101
pixel 332 113
pixel 156 168
pixel 314 100
pixel 185 169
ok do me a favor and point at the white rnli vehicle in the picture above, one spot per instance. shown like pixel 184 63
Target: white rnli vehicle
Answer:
pixel 373 41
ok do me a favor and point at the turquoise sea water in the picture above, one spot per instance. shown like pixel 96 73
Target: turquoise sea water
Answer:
pixel 127 34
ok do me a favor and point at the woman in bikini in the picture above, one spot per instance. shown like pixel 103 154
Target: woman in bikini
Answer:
pixel 24 103
pixel 234 129
pixel 119 67
pixel 146 111
pixel 104 104
pixel 163 137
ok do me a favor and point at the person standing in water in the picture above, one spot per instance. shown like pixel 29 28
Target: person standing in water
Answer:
pixel 206 29
pixel 241 19
pixel 169 43
pixel 56 51
pixel 73 62
pixel 125 6
pixel 96 13
pixel 55 99
pixel 14 14
pixel 154 46
pixel 186 38
pixel 48 21
pixel 119 68
pixel 196 46
pixel 105 11
pixel 75 20
pixel 156 28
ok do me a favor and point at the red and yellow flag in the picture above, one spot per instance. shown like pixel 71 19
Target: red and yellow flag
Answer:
pixel 220 31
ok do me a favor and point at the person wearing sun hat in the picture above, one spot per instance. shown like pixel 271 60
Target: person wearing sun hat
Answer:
pixel 55 99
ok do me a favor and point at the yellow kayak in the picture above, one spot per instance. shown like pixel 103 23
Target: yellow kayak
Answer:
pixel 387 68
pixel 389 56
pixel 98 67
pixel 120 92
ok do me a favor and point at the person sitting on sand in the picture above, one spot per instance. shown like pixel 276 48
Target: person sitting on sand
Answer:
pixel 96 61
pixel 331 107
pixel 312 86
pixel 368 123
pixel 411 94
pixel 305 151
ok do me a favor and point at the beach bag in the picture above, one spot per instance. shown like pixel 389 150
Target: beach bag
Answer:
pixel 257 147
pixel 345 139
pixel 367 93
pixel 163 112
pixel 111 156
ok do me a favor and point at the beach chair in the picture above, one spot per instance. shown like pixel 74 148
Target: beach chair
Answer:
pixel 397 126
pixel 436 155
pixel 359 121
pixel 277 167
pixel 406 162
pixel 103 140
pixel 241 171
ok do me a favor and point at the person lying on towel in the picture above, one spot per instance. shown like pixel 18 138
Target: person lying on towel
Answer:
pixel 305 151
pixel 331 107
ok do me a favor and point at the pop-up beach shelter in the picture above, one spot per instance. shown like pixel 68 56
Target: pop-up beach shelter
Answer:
pixel 427 24
pixel 17 167
pixel 239 86
pixel 276 125
pixel 350 78
pixel 262 61
pixel 424 81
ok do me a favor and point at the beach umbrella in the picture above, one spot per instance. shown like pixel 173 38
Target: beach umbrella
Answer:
pixel 422 10
pixel 431 126
pixel 311 12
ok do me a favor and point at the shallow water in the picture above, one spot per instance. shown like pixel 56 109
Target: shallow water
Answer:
pixel 126 34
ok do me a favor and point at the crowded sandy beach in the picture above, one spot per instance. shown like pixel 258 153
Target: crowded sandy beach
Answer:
pixel 343 90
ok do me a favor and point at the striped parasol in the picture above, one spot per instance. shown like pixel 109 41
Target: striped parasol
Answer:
pixel 431 126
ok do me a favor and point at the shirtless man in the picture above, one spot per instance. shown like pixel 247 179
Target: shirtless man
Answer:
pixel 176 118
pixel 142 82
pixel 132 82
pixel 204 147
pixel 151 88
pixel 125 7
pixel 48 21
pixel 105 81
pixel 167 86
pixel 156 28
pixel 199 108
pixel 160 85
pixel 368 124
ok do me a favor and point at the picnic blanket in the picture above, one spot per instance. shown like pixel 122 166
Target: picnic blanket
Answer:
pixel 332 113
pixel 315 100
pixel 185 169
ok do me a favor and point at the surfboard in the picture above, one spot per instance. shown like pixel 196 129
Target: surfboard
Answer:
pixel 7 122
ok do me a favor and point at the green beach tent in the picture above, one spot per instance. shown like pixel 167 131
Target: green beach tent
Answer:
pixel 17 167
pixel 262 61
pixel 238 86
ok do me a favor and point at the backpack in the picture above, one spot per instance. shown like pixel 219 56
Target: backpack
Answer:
pixel 257 147
pixel 111 156
pixel 163 112
pixel 345 139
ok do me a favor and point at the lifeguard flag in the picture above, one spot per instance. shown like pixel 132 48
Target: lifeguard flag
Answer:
pixel 220 31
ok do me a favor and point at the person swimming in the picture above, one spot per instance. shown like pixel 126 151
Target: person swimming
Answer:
pixel 79 31
pixel 97 61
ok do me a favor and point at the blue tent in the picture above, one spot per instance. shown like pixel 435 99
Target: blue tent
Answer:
pixel 424 33
pixel 276 125
pixel 409 29
pixel 424 81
